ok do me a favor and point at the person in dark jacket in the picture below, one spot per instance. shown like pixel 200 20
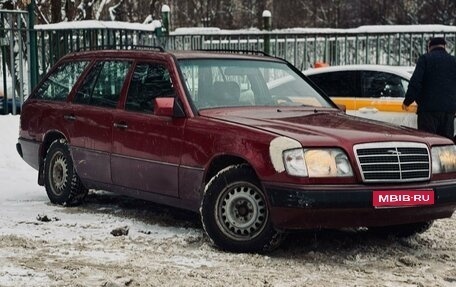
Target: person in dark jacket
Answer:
pixel 433 88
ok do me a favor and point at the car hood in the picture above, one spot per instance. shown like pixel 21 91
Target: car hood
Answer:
pixel 320 127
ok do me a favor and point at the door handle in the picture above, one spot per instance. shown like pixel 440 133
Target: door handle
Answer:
pixel 121 125
pixel 70 118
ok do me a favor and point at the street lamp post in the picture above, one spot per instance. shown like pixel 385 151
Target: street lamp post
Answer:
pixel 267 26
pixel 165 19
pixel 33 49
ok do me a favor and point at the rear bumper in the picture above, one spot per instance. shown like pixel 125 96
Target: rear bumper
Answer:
pixel 29 151
pixel 19 149
pixel 296 207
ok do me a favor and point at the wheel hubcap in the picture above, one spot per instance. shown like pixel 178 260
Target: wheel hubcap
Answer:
pixel 242 211
pixel 59 173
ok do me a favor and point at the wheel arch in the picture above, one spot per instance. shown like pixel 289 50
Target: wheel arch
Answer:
pixel 222 161
pixel 48 139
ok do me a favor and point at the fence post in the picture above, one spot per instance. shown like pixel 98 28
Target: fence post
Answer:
pixel 165 20
pixel 33 48
pixel 3 45
pixel 163 32
pixel 267 23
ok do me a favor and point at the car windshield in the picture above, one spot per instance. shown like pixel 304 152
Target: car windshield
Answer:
pixel 215 83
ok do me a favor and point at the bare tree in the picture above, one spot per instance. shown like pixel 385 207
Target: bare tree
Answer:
pixel 409 11
pixel 233 14
pixel 441 11
pixel 85 10
pixel 56 10
pixel 116 11
pixel 247 12
pixel 68 10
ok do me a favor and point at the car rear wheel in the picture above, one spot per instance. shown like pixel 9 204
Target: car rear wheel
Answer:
pixel 402 230
pixel 63 185
pixel 235 214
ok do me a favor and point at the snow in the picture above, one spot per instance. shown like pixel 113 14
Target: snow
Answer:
pixel 94 24
pixel 425 28
pixel 167 247
pixel 434 29
pixel 430 28
pixel 23 201
pixel 165 9
pixel 21 186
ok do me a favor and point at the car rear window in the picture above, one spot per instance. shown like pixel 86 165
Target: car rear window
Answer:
pixel 60 82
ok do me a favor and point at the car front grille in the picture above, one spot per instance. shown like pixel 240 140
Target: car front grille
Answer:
pixel 393 161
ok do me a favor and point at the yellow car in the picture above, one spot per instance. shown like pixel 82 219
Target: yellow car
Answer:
pixel 368 91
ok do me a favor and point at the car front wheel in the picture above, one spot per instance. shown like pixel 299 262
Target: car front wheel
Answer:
pixel 63 185
pixel 235 214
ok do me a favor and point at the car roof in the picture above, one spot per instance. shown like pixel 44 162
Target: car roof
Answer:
pixel 223 54
pixel 403 71
pixel 144 53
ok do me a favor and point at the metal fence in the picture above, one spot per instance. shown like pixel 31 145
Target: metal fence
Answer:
pixel 303 48
pixel 52 44
pixel 14 82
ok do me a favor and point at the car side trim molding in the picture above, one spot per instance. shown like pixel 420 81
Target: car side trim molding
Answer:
pixel 140 159
pixel 144 160
pixel 159 162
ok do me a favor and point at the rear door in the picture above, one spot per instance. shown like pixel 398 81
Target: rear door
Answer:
pixel 146 149
pixel 47 107
pixel 92 117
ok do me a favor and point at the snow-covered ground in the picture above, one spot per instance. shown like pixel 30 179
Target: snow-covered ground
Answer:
pixel 46 245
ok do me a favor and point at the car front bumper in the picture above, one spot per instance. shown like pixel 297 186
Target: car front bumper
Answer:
pixel 299 207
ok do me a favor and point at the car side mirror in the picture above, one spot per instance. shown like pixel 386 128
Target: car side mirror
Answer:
pixel 168 107
pixel 164 107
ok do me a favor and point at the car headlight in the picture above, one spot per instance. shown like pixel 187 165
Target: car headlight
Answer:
pixel 294 162
pixel 443 159
pixel 317 163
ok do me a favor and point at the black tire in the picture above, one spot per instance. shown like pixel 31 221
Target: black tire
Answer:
pixel 402 230
pixel 235 213
pixel 63 185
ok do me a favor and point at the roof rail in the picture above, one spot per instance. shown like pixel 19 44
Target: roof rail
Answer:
pixel 120 47
pixel 145 47
pixel 234 51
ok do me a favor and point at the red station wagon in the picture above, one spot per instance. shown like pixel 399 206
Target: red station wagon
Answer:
pixel 203 132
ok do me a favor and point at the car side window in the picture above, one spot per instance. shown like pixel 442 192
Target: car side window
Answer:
pixel 59 84
pixel 149 81
pixel 103 84
pixel 381 84
pixel 337 84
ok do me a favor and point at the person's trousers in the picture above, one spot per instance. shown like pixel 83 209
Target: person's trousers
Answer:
pixel 440 123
